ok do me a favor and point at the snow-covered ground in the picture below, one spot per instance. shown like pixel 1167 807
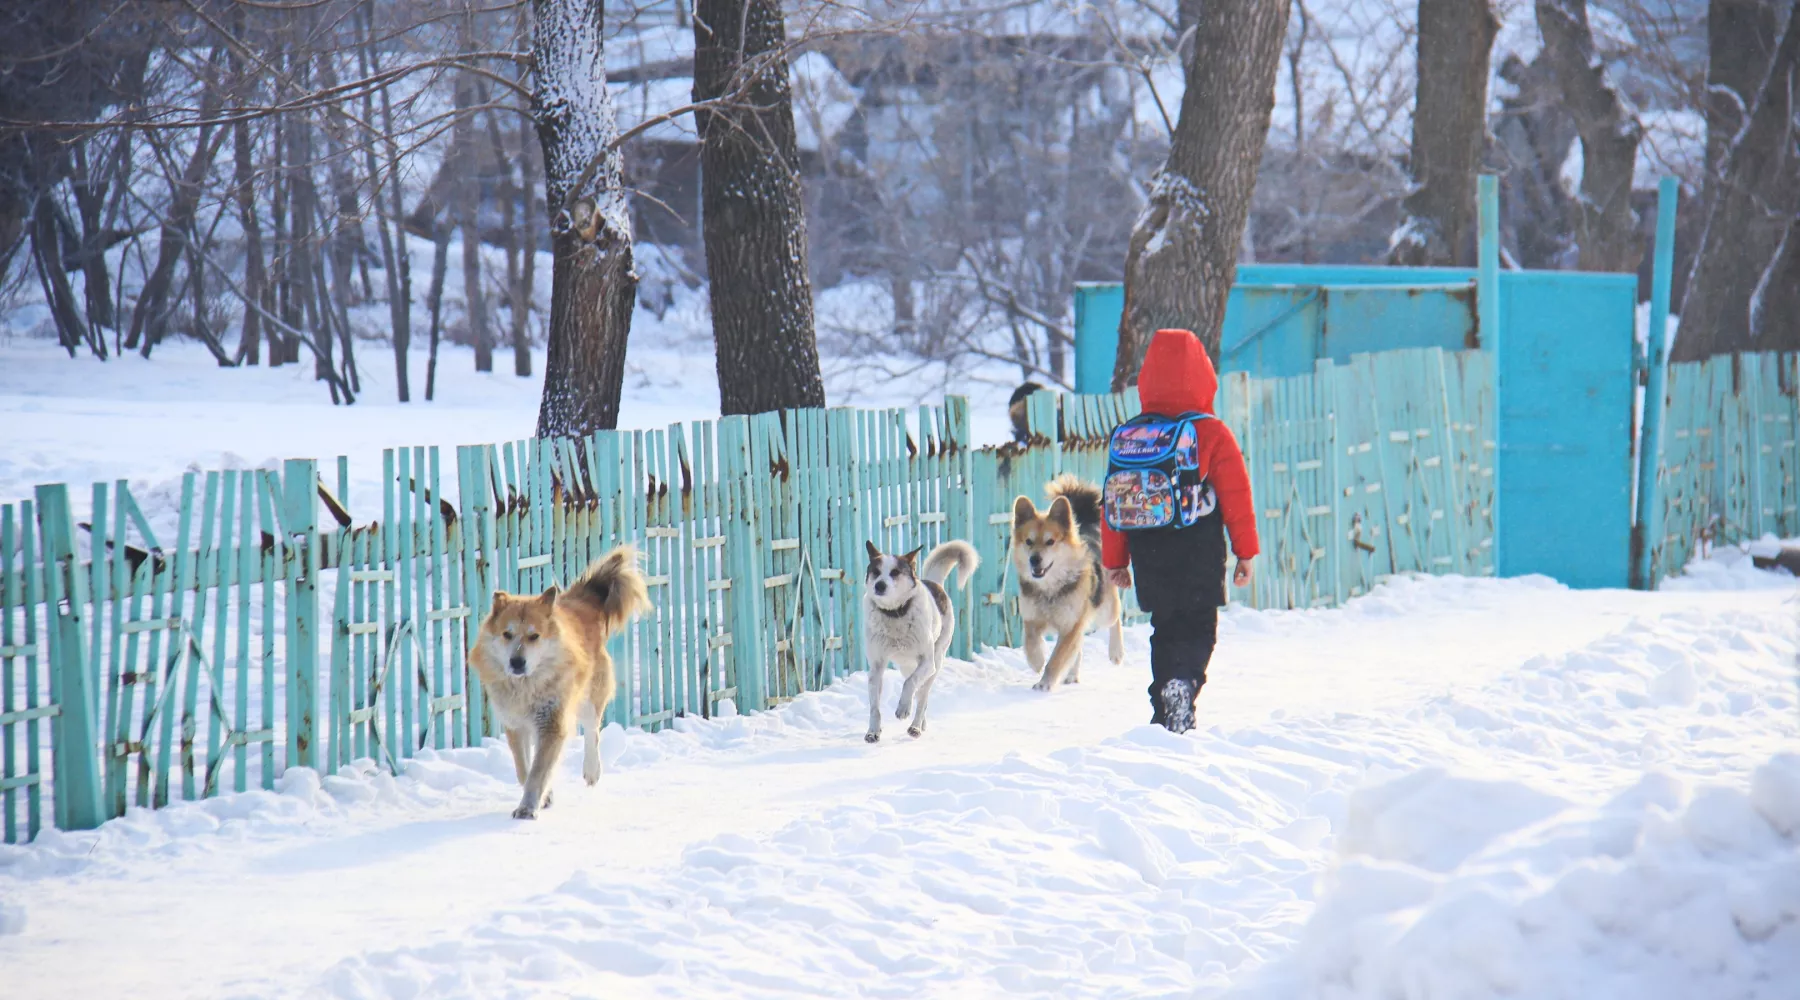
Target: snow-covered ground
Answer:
pixel 1449 788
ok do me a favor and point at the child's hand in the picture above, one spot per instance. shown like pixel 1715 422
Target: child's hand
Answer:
pixel 1240 577
pixel 1120 578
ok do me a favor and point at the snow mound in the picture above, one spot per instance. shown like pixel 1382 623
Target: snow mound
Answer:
pixel 1661 892
pixel 1730 567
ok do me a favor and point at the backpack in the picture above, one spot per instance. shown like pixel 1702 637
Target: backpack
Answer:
pixel 1152 474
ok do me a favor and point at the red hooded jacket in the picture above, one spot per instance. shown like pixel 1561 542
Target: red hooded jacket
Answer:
pixel 1177 378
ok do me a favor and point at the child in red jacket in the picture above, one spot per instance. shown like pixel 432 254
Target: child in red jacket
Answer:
pixel 1181 570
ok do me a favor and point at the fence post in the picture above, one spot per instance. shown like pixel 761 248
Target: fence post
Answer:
pixel 1487 306
pixel 75 758
pixel 744 544
pixel 959 509
pixel 300 516
pixel 1646 532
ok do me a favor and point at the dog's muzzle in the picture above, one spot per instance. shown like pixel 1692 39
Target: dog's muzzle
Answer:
pixel 881 586
pixel 1038 569
pixel 516 665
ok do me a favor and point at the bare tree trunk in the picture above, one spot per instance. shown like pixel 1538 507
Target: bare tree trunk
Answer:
pixel 149 319
pixel 250 341
pixel 754 217
pixel 1182 257
pixel 518 291
pixel 90 203
pixel 440 262
pixel 46 248
pixel 281 347
pixel 347 238
pixel 1456 38
pixel 1605 226
pixel 521 320
pixel 593 287
pixel 1741 39
pixel 1749 220
pixel 468 203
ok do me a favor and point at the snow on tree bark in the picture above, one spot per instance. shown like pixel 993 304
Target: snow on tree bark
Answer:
pixel 1456 38
pixel 753 211
pixel 1741 260
pixel 593 284
pixel 1605 226
pixel 1182 257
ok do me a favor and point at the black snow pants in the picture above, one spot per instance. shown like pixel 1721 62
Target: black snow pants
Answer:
pixel 1180 580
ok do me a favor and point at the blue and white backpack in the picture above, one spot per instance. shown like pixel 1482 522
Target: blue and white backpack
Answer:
pixel 1152 474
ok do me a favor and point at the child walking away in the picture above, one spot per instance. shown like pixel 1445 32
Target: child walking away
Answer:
pixel 1175 487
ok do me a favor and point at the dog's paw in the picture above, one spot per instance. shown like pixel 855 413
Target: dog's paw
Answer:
pixel 1072 679
pixel 915 732
pixel 1042 685
pixel 901 711
pixel 524 812
pixel 549 798
pixel 871 737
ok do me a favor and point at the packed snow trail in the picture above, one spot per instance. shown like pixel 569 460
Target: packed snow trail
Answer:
pixel 1028 844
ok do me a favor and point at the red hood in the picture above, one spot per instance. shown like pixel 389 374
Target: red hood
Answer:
pixel 1177 376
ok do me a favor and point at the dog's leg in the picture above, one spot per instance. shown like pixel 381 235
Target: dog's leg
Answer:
pixel 591 764
pixel 1034 645
pixel 521 751
pixel 875 672
pixel 552 731
pixel 1068 648
pixel 907 690
pixel 933 664
pixel 1074 675
pixel 1113 612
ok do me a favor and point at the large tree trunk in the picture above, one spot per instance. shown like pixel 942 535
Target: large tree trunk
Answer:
pixel 593 285
pixel 1749 220
pixel 1605 227
pixel 754 210
pixel 1456 38
pixel 1741 38
pixel 1183 253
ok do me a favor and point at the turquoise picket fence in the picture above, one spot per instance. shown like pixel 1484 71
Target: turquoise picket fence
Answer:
pixel 1730 453
pixel 271 619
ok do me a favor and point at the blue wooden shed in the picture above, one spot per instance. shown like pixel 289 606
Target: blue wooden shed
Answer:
pixel 1567 368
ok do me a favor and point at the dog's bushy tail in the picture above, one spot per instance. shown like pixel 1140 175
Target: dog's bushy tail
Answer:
pixel 614 587
pixel 953 555
pixel 1083 497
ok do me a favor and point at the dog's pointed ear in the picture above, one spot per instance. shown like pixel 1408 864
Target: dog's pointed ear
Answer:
pixel 1023 510
pixel 874 553
pixel 912 558
pixel 548 596
pixel 501 600
pixel 1062 514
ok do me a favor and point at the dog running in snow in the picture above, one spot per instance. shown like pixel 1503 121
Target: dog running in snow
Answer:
pixel 544 666
pixel 908 621
pixel 1062 586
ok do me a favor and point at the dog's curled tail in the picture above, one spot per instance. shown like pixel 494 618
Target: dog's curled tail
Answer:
pixel 1083 497
pixel 615 588
pixel 953 555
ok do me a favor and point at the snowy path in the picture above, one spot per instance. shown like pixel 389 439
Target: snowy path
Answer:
pixel 1028 844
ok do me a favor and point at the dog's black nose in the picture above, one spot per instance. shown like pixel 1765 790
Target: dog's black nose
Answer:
pixel 517 663
pixel 881 586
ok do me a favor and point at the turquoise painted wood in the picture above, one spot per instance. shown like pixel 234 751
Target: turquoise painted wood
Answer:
pixel 1647 511
pixel 1566 391
pixel 1730 456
